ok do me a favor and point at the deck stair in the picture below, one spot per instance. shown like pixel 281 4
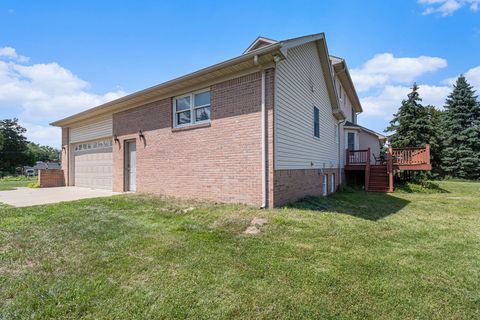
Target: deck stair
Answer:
pixel 378 181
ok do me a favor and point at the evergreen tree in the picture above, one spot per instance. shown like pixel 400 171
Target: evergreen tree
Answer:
pixel 461 123
pixel 2 140
pixel 435 140
pixel 413 125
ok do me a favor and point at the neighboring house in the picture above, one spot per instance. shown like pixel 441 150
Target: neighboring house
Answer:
pixel 265 128
pixel 40 165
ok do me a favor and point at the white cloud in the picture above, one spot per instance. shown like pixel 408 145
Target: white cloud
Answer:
pixel 472 76
pixel 385 80
pixel 44 92
pixel 43 134
pixel 448 7
pixel 387 102
pixel 385 69
pixel 11 53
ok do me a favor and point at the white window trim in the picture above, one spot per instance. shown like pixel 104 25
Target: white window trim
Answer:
pixel 332 182
pixel 325 184
pixel 355 137
pixel 192 109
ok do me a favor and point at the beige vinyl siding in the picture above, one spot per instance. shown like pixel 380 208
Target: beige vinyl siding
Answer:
pixel 91 131
pixel 347 108
pixel 345 103
pixel 295 144
pixel 368 140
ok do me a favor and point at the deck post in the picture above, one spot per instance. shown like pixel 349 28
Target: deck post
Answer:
pixel 347 156
pixel 390 169
pixel 367 170
pixel 427 147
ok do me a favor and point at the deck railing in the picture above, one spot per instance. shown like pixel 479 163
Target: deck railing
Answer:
pixel 411 156
pixel 358 157
pixel 400 156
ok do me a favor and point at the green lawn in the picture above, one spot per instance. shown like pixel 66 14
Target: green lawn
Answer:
pixel 10 183
pixel 350 256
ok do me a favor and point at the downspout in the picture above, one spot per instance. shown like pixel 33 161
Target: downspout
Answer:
pixel 264 145
pixel 340 160
pixel 69 160
pixel 263 132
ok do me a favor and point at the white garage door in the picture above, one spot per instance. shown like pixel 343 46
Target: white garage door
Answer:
pixel 93 164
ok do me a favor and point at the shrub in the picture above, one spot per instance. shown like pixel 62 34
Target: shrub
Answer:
pixel 348 189
pixel 34 184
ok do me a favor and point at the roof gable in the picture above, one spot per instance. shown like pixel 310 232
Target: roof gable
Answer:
pixel 327 69
pixel 341 71
pixel 262 50
pixel 350 125
pixel 259 43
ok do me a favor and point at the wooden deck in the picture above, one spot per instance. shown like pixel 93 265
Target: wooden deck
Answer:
pixel 379 173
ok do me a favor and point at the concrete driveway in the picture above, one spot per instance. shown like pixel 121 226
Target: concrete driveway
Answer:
pixel 25 197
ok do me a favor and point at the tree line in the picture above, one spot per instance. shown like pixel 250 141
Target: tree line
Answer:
pixel 453 132
pixel 16 151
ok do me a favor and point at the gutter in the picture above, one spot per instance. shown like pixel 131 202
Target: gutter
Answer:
pixel 125 100
pixel 344 70
pixel 264 145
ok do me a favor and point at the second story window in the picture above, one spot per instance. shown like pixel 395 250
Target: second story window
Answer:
pixel 316 122
pixel 193 108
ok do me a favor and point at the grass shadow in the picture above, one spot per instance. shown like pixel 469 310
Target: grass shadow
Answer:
pixel 369 206
pixel 427 187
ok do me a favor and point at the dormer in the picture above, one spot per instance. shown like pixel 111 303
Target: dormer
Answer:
pixel 260 42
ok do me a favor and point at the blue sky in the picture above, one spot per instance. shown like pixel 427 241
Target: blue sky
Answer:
pixel 58 58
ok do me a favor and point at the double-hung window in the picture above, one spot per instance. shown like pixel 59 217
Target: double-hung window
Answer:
pixel 316 122
pixel 351 141
pixel 193 108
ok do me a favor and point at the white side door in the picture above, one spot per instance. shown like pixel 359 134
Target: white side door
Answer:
pixel 131 166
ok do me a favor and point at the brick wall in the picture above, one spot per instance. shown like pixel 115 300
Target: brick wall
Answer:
pixel 219 162
pixel 51 178
pixel 292 185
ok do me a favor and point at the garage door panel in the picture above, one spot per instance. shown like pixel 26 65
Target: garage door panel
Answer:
pixel 93 164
